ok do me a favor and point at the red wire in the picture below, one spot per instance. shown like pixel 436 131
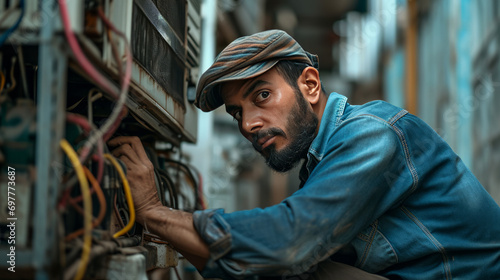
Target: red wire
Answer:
pixel 84 124
pixel 128 69
pixel 64 199
pixel 102 202
pixel 100 161
pixel 80 57
pixel 79 120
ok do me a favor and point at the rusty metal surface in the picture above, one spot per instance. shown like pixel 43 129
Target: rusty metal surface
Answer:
pixel 155 52
pixel 129 264
pixel 160 256
pixel 152 88
pixel 160 253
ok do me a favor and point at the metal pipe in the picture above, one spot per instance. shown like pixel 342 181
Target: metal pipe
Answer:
pixel 128 241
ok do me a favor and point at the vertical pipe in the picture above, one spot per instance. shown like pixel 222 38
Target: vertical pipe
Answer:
pixel 411 57
pixel 50 130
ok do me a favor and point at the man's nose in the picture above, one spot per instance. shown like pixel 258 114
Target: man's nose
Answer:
pixel 251 122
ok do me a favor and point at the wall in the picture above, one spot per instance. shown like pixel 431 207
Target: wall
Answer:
pixel 459 79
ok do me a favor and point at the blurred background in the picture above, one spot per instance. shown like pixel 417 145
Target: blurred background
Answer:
pixel 436 58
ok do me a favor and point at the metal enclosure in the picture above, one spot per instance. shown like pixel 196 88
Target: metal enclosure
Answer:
pixel 165 40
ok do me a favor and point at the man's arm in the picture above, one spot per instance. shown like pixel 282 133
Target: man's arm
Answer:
pixel 173 226
pixel 177 228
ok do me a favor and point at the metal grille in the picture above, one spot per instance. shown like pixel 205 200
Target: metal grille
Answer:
pixel 197 5
pixel 174 11
pixel 157 57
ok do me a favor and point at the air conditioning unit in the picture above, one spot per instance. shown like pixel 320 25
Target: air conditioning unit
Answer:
pixel 165 39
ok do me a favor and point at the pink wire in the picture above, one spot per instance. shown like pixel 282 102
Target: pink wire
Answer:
pixel 115 126
pixel 84 123
pixel 100 161
pixel 80 57
pixel 128 54
pixel 79 120
pixel 128 70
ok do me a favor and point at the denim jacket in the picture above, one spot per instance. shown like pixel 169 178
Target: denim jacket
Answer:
pixel 379 184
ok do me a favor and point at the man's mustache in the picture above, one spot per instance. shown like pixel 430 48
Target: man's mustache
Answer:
pixel 271 132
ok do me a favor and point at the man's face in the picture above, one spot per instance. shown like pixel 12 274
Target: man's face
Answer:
pixel 273 116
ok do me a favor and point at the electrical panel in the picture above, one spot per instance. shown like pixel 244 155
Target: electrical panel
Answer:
pixel 74 74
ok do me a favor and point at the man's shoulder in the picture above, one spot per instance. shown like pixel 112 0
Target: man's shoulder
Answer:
pixel 378 109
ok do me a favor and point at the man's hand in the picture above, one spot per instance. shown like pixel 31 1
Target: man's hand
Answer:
pixel 173 226
pixel 140 174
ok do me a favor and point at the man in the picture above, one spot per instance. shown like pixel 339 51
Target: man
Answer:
pixel 381 193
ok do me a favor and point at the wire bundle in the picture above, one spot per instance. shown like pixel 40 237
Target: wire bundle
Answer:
pixel 128 195
pixel 112 123
pixel 94 148
pixel 87 218
pixel 96 138
pixel 195 182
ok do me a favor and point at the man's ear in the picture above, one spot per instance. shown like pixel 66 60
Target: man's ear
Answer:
pixel 310 84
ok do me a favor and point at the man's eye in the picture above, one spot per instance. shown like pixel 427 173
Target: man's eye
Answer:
pixel 263 95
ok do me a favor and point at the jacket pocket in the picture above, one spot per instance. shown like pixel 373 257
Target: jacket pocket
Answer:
pixel 374 252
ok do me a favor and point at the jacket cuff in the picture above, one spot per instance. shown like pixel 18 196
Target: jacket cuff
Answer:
pixel 216 232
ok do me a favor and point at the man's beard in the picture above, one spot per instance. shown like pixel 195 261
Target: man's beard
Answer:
pixel 301 126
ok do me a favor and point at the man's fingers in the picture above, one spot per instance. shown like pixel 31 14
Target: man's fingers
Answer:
pixel 128 163
pixel 117 141
pixel 126 154
pixel 134 142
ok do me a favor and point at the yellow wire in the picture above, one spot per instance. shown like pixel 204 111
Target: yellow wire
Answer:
pixel 128 195
pixel 2 82
pixel 87 206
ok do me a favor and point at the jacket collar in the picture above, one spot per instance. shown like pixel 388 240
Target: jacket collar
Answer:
pixel 332 114
pixel 329 121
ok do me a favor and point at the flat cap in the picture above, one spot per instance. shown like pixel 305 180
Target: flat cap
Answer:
pixel 248 57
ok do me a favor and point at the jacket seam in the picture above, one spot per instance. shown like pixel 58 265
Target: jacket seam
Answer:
pixel 435 242
pixel 399 115
pixel 369 244
pixel 363 237
pixel 338 121
pixel 368 115
pixel 409 163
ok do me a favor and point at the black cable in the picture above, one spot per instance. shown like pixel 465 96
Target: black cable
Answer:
pixel 189 173
pixel 172 191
